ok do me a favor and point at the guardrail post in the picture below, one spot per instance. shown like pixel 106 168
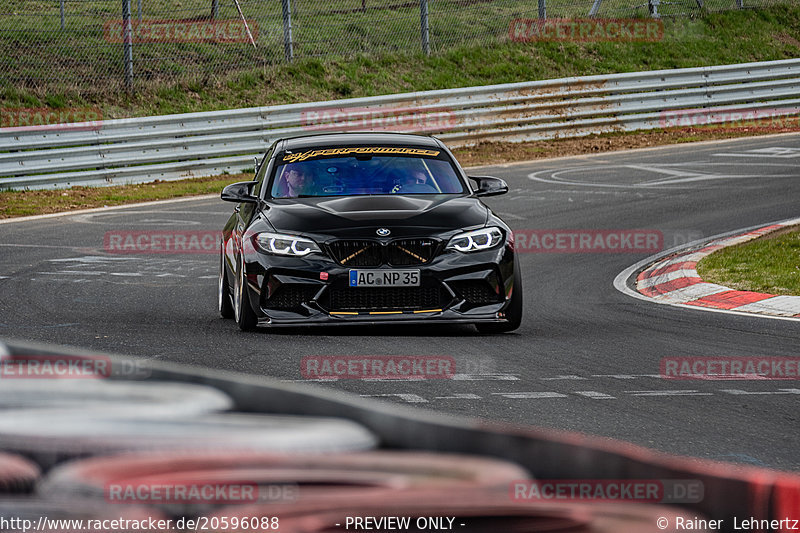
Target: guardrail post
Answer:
pixel 62 14
pixel 127 44
pixel 595 8
pixel 288 44
pixel 652 5
pixel 214 9
pixel 424 27
pixel 740 4
pixel 543 9
pixel 139 10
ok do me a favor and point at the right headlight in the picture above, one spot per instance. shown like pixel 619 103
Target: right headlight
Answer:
pixel 476 240
pixel 278 244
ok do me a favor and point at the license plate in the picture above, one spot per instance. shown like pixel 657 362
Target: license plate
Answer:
pixel 384 278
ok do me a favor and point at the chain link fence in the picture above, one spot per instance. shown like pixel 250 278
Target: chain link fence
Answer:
pixel 112 45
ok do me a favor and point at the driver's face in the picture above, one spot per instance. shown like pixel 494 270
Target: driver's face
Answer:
pixel 295 178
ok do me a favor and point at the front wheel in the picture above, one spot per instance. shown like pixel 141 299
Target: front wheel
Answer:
pixel 513 311
pixel 244 314
pixel 224 299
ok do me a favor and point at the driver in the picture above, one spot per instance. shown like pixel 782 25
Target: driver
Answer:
pixel 294 182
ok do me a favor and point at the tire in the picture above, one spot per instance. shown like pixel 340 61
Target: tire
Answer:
pixel 243 311
pixel 513 311
pixel 224 299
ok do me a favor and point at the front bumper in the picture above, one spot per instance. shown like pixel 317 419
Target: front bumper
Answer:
pixel 454 288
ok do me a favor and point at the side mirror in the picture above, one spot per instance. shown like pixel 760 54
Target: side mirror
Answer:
pixel 489 186
pixel 240 192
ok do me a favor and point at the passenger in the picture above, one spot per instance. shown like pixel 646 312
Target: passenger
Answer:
pixel 415 183
pixel 420 178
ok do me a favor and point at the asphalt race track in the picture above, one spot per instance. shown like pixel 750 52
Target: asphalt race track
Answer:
pixel 586 357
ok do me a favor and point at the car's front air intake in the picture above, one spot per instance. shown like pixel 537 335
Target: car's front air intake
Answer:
pixel 399 252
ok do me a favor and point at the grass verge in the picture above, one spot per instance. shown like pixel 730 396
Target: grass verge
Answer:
pixel 711 39
pixel 769 264
pixel 25 203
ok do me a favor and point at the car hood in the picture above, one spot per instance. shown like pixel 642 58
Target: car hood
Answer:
pixel 362 215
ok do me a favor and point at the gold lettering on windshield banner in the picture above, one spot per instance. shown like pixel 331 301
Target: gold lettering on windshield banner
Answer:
pixel 302 156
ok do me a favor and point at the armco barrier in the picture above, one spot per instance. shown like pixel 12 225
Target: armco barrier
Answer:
pixel 204 144
pixel 729 490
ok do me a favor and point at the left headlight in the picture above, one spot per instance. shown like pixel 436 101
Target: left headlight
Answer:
pixel 473 241
pixel 291 245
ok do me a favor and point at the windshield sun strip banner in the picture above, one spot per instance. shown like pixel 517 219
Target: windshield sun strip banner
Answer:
pixel 359 150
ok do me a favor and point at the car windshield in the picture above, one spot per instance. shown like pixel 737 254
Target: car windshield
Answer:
pixel 363 175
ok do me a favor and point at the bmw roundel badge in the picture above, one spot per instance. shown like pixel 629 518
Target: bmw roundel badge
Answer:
pixel 383 232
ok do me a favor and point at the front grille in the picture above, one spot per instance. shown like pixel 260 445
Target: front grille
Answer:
pixel 477 292
pixel 357 253
pixel 410 251
pixel 291 296
pixel 400 252
pixel 384 299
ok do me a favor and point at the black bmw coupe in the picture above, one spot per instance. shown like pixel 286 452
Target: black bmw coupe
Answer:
pixel 366 228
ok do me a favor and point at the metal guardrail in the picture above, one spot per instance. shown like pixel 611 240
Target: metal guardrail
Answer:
pixel 204 144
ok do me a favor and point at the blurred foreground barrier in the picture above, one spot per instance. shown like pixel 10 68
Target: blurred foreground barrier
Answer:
pixel 728 490
pixel 49 436
pixel 278 482
pixel 151 400
pixel 17 474
pixel 751 95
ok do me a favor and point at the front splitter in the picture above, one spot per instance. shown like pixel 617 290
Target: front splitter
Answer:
pixel 362 318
